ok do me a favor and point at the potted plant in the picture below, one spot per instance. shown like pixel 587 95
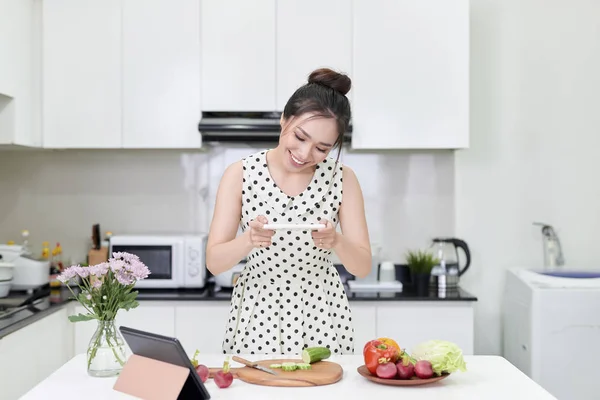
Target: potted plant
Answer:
pixel 104 289
pixel 420 264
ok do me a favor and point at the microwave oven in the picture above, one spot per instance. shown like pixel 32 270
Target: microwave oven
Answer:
pixel 174 261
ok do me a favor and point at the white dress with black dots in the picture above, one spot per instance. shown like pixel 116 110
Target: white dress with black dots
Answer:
pixel 289 295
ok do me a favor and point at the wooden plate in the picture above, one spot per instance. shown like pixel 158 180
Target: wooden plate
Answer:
pixel 414 381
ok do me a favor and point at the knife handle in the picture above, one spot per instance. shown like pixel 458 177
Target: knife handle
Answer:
pixel 242 361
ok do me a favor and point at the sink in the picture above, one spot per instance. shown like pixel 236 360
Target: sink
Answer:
pixel 571 274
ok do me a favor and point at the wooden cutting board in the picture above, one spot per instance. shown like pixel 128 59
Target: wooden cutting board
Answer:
pixel 321 373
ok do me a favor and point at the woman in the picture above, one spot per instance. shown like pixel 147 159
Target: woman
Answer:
pixel 289 295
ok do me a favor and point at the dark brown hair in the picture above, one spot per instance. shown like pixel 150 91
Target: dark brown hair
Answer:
pixel 325 96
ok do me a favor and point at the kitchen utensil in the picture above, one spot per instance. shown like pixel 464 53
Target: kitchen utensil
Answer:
pixel 300 227
pixel 382 287
pixel 29 272
pixel 5 287
pixel 253 365
pixel 446 275
pixel 321 373
pixel 414 381
pixel 6 270
pixel 96 236
pixel 387 272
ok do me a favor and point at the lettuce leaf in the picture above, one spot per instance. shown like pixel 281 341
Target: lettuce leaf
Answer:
pixel 444 356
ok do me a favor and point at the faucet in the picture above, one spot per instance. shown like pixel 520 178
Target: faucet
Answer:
pixel 553 254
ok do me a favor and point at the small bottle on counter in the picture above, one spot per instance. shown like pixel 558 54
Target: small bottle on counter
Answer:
pixel 45 251
pixel 56 266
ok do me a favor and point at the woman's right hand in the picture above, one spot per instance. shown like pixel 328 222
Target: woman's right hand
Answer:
pixel 258 236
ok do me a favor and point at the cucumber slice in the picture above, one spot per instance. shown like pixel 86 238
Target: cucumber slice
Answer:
pixel 275 366
pixel 288 366
pixel 303 366
pixel 314 354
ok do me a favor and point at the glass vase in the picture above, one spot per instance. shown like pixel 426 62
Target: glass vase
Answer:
pixel 106 351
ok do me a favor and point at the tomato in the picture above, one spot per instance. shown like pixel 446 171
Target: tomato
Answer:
pixel 380 351
pixel 387 341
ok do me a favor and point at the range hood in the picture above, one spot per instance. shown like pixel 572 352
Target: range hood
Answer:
pixel 243 127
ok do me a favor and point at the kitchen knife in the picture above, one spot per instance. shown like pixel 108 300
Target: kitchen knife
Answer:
pixel 253 365
pixel 96 236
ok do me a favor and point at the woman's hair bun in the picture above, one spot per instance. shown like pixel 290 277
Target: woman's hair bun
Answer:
pixel 332 79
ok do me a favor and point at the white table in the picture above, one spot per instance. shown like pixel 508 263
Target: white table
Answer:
pixel 488 377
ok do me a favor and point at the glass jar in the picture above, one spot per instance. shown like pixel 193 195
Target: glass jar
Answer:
pixel 106 351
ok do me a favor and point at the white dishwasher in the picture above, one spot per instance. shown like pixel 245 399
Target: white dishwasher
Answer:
pixel 552 330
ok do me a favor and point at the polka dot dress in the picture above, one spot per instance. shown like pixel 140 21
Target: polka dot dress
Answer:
pixel 289 295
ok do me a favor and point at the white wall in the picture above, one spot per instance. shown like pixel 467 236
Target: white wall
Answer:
pixel 535 135
pixel 58 195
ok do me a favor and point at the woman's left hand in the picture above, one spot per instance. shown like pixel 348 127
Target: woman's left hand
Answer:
pixel 325 238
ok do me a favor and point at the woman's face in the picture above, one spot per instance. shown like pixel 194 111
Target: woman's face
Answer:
pixel 306 141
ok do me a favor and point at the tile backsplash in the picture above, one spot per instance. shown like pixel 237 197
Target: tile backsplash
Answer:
pixel 59 195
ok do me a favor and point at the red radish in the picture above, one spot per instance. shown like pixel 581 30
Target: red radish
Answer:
pixel 406 369
pixel 387 370
pixel 423 369
pixel 223 378
pixel 203 372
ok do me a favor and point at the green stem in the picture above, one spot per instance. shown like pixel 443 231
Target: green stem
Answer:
pixel 94 349
pixel 112 347
pixel 84 306
pixel 105 329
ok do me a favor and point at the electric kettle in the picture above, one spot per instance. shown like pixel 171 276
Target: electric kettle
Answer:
pixel 446 274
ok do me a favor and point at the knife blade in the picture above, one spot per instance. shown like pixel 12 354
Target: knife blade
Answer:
pixel 253 365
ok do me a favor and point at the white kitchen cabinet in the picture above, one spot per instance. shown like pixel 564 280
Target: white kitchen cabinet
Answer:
pixel 82 86
pixel 17 69
pixel 410 74
pixel 155 317
pixel 410 323
pixel 311 34
pixel 161 73
pixel 29 355
pixel 364 320
pixel 201 325
pixel 238 55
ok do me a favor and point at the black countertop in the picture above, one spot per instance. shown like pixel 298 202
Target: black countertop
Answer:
pixel 20 309
pixel 211 293
pixel 45 301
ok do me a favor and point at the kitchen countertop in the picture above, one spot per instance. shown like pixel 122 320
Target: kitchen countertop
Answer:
pixel 43 302
pixel 212 293
pixel 50 300
pixel 488 377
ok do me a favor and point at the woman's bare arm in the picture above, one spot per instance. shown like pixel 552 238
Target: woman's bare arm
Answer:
pixel 352 245
pixel 223 249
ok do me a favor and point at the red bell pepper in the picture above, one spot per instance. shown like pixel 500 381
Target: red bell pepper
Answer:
pixel 380 351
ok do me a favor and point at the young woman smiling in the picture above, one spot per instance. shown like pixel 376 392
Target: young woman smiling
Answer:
pixel 289 295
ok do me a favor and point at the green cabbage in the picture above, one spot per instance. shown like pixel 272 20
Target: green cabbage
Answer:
pixel 444 356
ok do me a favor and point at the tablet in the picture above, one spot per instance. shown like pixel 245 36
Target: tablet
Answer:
pixel 169 350
pixel 297 227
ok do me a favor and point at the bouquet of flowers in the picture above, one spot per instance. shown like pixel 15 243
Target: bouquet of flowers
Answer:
pixel 104 289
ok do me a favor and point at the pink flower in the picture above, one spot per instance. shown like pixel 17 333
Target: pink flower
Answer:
pixel 68 274
pixel 82 272
pixel 128 268
pixel 99 270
